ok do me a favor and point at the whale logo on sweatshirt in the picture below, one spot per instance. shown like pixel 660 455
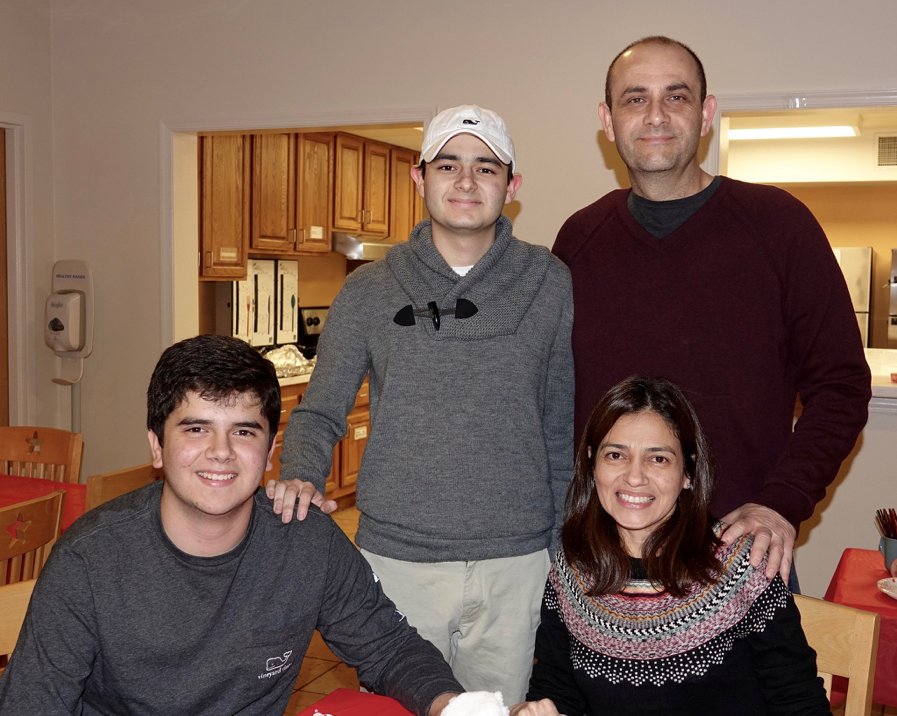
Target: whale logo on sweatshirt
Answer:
pixel 275 662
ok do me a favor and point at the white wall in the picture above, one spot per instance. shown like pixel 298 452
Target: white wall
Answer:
pixel 25 102
pixel 121 67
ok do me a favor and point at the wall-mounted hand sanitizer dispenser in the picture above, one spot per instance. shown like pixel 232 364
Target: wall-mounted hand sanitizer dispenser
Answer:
pixel 64 324
pixel 68 318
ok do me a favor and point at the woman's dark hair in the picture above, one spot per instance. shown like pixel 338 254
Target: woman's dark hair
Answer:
pixel 681 551
pixel 215 368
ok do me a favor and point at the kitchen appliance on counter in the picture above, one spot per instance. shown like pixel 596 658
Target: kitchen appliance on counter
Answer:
pixel 245 309
pixel 311 323
pixel 892 305
pixel 234 309
pixel 261 277
pixel 286 325
pixel 856 265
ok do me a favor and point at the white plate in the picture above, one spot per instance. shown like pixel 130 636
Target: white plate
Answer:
pixel 888 586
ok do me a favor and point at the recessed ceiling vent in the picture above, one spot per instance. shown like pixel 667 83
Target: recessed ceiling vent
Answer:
pixel 887 150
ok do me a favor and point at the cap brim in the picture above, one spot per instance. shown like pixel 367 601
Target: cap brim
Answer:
pixel 430 154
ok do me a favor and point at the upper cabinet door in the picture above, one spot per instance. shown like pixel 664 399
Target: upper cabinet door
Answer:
pixel 347 191
pixel 315 198
pixel 376 190
pixel 224 206
pixel 404 199
pixel 273 192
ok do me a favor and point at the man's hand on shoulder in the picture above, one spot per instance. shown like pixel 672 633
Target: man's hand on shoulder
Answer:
pixel 290 493
pixel 772 533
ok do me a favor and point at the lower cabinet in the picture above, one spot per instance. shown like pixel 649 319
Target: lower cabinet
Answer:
pixel 347 452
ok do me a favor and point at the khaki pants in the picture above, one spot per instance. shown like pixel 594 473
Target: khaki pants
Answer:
pixel 481 615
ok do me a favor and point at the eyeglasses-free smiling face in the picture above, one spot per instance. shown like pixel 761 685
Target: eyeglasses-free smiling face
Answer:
pixel 465 188
pixel 639 473
pixel 657 116
pixel 214 456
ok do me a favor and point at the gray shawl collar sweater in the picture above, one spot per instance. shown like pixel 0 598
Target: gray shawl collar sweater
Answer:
pixel 502 284
pixel 471 442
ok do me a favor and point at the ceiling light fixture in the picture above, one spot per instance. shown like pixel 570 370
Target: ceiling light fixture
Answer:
pixel 794 133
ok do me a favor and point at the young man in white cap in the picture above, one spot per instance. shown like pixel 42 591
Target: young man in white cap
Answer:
pixel 465 333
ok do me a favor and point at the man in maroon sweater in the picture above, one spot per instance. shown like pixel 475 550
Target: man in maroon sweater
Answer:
pixel 728 289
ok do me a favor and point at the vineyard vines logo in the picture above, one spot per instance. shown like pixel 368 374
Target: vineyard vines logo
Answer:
pixel 276 664
pixel 470 121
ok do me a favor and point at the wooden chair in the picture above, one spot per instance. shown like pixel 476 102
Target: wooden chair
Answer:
pixel 28 531
pixel 846 644
pixel 41 452
pixel 102 488
pixel 14 600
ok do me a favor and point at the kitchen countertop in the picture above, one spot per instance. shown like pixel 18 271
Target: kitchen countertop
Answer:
pixel 305 377
pixel 883 362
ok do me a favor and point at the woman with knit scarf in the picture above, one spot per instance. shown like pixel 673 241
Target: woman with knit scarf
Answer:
pixel 646 611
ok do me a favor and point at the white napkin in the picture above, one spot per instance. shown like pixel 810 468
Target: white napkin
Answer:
pixel 476 703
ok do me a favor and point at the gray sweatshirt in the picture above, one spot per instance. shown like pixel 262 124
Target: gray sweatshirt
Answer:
pixel 471 444
pixel 122 622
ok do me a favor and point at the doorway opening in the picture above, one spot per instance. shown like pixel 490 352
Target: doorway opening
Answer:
pixel 179 179
pixel 849 183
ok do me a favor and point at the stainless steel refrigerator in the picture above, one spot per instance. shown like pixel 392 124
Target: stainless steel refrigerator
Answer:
pixel 856 265
pixel 892 306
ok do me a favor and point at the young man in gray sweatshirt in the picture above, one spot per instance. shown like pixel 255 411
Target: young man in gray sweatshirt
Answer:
pixel 190 596
pixel 465 334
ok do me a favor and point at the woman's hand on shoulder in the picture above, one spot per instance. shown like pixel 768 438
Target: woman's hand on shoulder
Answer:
pixel 545 707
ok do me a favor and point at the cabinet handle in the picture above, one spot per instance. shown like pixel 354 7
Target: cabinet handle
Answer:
pixel 303 235
pixel 294 237
pixel 361 220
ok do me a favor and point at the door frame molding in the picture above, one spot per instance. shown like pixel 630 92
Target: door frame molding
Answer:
pixel 21 314
pixel 169 129
pixel 795 100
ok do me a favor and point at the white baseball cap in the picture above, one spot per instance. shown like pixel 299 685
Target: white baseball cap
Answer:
pixel 469 119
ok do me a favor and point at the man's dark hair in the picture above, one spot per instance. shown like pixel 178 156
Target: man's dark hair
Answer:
pixel 681 550
pixel 656 40
pixel 423 170
pixel 216 368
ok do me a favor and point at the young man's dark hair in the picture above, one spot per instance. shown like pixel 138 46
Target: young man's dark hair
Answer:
pixel 215 368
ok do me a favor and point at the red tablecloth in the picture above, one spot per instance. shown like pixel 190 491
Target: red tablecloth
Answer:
pixel 19 489
pixel 854 586
pixel 345 702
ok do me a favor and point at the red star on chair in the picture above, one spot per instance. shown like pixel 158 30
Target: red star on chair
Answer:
pixel 35 443
pixel 17 530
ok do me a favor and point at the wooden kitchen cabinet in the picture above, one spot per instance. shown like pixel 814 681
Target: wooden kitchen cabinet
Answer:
pixel 353 445
pixel 224 210
pixel 361 186
pixel 348 167
pixel 315 192
pixel 346 454
pixel 375 221
pixel 273 192
pixel 405 203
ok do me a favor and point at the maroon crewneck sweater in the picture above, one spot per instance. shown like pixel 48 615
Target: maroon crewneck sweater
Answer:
pixel 744 307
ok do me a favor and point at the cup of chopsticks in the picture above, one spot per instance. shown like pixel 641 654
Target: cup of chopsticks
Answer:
pixel 886 521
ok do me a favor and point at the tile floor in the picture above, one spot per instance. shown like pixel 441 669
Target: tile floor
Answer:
pixel 322 672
